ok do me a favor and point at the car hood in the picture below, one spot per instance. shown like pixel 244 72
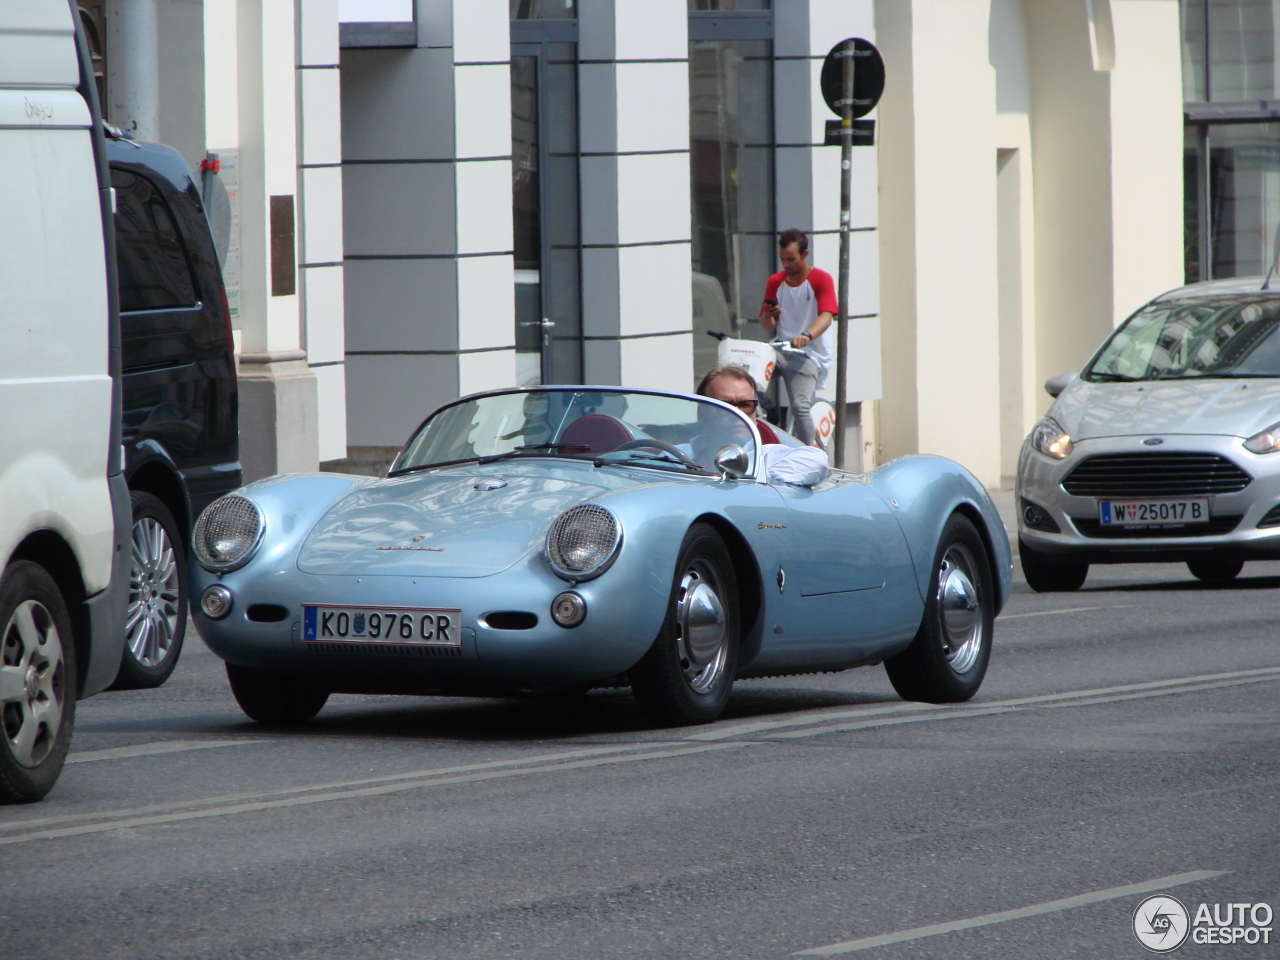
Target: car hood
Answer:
pixel 1233 408
pixel 440 525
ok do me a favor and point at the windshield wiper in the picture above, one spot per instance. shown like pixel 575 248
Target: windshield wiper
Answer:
pixel 533 448
pixel 649 458
pixel 1097 377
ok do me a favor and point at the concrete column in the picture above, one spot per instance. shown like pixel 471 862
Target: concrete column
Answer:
pixel 636 217
pixel 278 405
pixel 133 68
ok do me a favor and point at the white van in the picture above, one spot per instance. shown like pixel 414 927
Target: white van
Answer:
pixel 64 507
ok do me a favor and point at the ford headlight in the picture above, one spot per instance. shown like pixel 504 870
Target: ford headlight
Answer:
pixel 583 541
pixel 1268 441
pixel 1049 438
pixel 227 534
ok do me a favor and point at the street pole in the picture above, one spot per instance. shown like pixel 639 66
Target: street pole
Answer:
pixel 842 319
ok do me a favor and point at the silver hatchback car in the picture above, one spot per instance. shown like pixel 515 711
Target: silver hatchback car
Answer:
pixel 1165 447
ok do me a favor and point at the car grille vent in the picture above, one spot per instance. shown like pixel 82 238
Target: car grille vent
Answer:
pixel 1272 517
pixel 1214 528
pixel 1139 475
pixel 383 650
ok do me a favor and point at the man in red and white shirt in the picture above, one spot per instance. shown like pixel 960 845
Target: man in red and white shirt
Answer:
pixel 800 303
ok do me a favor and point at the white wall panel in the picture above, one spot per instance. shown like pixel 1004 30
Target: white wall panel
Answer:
pixel 321 116
pixel 331 404
pixel 658 363
pixel 481 31
pixel 652 106
pixel 830 21
pixel 654 292
pixel 321 215
pixel 318 32
pixel 482 125
pixel 486 371
pixel 322 294
pixel 653 198
pixel 651 29
pixel 484 206
pixel 486 302
pixel 863 196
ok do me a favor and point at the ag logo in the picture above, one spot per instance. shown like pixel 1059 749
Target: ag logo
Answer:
pixel 1161 923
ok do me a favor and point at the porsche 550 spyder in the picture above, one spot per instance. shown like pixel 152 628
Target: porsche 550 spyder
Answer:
pixel 559 538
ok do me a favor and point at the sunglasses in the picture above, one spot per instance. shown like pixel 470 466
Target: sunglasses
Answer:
pixel 747 406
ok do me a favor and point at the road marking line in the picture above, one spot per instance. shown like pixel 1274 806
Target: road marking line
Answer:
pixel 1045 613
pixel 363 792
pixel 757 726
pixel 1052 906
pixel 153 749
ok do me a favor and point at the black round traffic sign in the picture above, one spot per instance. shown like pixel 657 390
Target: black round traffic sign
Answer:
pixel 868 76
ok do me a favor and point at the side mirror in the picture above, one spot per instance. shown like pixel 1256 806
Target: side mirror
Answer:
pixel 732 462
pixel 1055 385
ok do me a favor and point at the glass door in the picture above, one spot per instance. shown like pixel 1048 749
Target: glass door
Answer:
pixel 544 170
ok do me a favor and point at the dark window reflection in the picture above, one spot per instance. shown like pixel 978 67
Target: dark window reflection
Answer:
pixel 544 9
pixel 731 158
pixel 717 5
pixel 153 269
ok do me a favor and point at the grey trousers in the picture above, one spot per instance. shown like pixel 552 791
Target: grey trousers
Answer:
pixel 800 373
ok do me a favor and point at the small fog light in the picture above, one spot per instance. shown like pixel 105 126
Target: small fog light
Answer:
pixel 1033 515
pixel 216 602
pixel 568 609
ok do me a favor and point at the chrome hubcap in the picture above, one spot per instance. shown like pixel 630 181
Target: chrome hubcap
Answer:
pixel 32 683
pixel 960 605
pixel 152 621
pixel 701 627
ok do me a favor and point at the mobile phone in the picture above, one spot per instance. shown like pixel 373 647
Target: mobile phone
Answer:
pixel 770 302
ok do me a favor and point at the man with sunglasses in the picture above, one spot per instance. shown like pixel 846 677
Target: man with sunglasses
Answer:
pixel 803 466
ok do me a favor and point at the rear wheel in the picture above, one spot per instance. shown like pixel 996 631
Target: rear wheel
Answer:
pixel 947 660
pixel 37 682
pixel 272 698
pixel 1045 576
pixel 688 673
pixel 156 621
pixel 1215 571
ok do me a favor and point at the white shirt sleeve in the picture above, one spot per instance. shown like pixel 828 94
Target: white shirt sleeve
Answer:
pixel 802 466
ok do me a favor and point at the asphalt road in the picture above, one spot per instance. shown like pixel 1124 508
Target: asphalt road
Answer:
pixel 1125 742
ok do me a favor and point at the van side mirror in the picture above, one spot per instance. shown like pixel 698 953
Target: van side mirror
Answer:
pixel 1055 385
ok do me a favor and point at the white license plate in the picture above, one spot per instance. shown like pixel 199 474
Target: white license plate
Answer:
pixel 1116 513
pixel 421 626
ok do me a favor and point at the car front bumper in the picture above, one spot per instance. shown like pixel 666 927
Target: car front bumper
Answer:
pixel 1040 483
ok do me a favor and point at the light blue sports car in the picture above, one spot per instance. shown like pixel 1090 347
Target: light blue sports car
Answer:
pixel 554 539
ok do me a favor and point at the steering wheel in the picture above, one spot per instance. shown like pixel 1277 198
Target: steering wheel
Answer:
pixel 651 444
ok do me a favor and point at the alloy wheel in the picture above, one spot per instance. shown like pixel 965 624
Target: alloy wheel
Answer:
pixel 152 621
pixel 33 683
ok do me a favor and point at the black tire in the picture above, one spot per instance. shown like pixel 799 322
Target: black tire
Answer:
pixel 687 675
pixel 156 621
pixel 272 698
pixel 1215 571
pixel 948 657
pixel 1046 576
pixel 37 682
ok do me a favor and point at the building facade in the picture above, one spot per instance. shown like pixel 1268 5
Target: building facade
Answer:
pixel 498 192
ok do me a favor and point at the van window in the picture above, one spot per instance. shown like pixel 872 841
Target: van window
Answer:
pixel 153 267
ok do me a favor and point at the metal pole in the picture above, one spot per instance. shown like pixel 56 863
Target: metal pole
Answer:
pixel 842 319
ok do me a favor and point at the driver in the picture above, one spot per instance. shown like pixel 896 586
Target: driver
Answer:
pixel 802 466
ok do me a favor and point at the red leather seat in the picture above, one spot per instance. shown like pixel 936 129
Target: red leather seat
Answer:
pixel 766 433
pixel 597 432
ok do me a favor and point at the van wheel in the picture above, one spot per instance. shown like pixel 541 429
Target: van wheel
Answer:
pixel 37 682
pixel 156 621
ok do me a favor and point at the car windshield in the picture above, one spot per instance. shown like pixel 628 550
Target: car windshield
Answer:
pixel 1204 337
pixel 672 433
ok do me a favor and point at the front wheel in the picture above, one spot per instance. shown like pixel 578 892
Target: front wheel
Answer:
pixel 156 621
pixel 687 674
pixel 948 657
pixel 1046 577
pixel 37 682
pixel 1215 571
pixel 272 698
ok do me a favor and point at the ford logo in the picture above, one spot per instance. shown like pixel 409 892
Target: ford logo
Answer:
pixel 1153 441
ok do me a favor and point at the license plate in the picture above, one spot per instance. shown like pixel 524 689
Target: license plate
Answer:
pixel 1115 513
pixel 420 626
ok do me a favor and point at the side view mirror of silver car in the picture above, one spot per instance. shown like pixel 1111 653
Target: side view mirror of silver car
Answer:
pixel 731 461
pixel 1055 385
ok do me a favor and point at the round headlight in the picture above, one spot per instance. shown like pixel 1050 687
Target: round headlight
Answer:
pixel 227 533
pixel 583 541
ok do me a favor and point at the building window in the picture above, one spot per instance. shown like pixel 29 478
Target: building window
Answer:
pixel 544 9
pixel 1232 158
pixel 731 170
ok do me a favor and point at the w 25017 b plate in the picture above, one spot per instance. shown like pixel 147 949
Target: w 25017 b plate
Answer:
pixel 423 626
pixel 1114 513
